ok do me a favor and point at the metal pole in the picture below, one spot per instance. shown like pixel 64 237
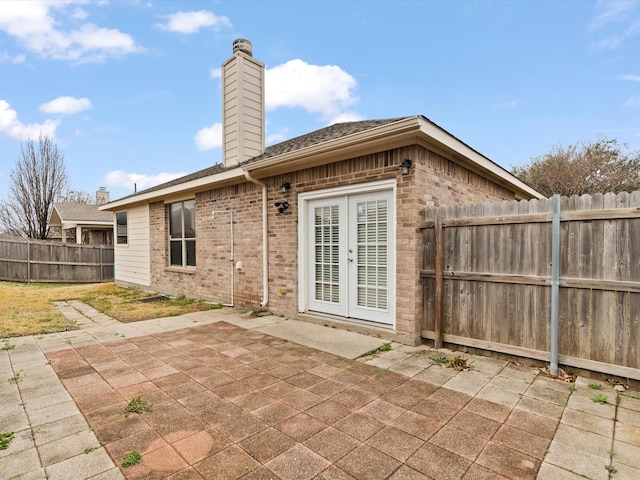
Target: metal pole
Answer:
pixel 555 282
pixel 439 265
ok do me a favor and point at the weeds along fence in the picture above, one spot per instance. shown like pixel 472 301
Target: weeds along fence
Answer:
pixel 487 279
pixel 26 260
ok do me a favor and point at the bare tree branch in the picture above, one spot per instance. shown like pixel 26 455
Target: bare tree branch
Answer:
pixel 599 167
pixel 38 178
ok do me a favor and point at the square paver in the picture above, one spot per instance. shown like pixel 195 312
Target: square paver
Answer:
pixel 459 442
pixel 298 463
pixel 508 462
pixel 331 444
pixel 438 463
pixel 301 426
pixel 368 463
pixel 228 464
pixel 395 443
pixel 267 444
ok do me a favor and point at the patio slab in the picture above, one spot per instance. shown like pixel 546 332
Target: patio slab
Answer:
pixel 237 397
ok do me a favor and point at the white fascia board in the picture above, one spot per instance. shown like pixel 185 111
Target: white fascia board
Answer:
pixel 452 143
pixel 181 188
pixel 79 223
pixel 383 132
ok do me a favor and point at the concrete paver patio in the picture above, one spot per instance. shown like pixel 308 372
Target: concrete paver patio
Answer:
pixel 231 399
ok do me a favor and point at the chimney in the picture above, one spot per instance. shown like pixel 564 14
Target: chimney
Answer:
pixel 242 105
pixel 102 196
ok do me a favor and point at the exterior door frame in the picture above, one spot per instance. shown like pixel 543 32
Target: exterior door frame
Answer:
pixel 304 248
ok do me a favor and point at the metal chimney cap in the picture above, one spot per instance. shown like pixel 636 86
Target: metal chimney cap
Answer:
pixel 243 45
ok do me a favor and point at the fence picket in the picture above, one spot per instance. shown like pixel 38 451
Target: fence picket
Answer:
pixel 495 256
pixel 27 260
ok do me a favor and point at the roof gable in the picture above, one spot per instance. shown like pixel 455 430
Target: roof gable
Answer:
pixel 79 213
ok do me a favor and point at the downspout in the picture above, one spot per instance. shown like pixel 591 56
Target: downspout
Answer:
pixel 265 240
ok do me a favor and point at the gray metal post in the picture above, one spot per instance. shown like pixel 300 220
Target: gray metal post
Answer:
pixel 555 282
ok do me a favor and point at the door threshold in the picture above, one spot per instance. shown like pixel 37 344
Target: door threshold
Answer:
pixel 353 325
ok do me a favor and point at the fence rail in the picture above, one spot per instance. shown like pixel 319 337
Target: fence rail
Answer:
pixel 491 285
pixel 26 260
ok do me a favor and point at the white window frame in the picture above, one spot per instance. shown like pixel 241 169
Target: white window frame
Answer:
pixel 117 235
pixel 183 240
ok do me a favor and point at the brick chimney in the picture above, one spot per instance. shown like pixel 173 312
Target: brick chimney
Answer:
pixel 242 105
pixel 102 196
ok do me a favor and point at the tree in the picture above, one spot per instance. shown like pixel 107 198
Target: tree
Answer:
pixel 76 196
pixel 599 167
pixel 37 180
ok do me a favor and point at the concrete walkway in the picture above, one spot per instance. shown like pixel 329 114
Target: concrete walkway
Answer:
pixel 239 397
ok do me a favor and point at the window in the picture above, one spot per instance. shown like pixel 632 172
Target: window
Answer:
pixel 121 227
pixel 182 234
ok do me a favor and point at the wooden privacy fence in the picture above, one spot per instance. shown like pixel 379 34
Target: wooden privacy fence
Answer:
pixel 487 279
pixel 26 260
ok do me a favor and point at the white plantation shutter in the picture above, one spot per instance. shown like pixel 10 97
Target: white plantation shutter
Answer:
pixel 372 279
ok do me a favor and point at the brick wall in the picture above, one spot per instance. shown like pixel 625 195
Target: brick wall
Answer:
pixel 433 180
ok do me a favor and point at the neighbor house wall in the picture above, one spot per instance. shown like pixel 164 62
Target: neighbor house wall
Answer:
pixel 433 180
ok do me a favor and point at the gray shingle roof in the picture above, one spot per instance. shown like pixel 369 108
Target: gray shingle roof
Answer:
pixel 316 137
pixel 81 212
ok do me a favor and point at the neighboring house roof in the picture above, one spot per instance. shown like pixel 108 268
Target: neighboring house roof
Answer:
pixel 333 143
pixel 69 215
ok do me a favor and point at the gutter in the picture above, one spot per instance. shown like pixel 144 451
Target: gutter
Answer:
pixel 265 239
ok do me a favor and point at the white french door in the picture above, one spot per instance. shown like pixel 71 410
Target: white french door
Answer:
pixel 350 248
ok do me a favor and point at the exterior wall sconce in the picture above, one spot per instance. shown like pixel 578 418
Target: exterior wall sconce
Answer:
pixel 405 166
pixel 282 206
pixel 284 187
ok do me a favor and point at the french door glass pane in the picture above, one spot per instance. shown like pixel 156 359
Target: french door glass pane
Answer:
pixel 326 248
pixel 371 267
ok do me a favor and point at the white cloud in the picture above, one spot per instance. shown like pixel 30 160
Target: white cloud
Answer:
pixel 504 105
pixel 346 117
pixel 325 90
pixel 632 78
pixel 616 12
pixel 79 14
pixel 43 28
pixel 209 138
pixel 5 57
pixel 616 21
pixel 66 105
pixel 11 127
pixel 274 138
pixel 633 102
pixel 120 178
pixel 216 73
pixel 192 22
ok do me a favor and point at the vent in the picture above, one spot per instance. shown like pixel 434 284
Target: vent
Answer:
pixel 243 45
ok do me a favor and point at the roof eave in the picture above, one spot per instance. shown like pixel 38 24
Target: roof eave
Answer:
pixel 475 160
pixel 219 179
pixel 387 136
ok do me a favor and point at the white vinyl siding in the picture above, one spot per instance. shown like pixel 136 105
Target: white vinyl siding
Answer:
pixel 132 261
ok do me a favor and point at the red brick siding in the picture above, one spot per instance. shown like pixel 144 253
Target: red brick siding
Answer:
pixel 433 180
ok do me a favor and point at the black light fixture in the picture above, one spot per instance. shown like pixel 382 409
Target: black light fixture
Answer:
pixel 284 187
pixel 405 166
pixel 282 206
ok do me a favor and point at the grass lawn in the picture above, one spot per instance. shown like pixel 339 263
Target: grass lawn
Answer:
pixel 27 309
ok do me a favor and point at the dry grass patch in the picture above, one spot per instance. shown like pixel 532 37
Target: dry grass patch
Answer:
pixel 124 304
pixel 27 309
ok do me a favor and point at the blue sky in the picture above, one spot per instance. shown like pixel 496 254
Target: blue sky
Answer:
pixel 130 90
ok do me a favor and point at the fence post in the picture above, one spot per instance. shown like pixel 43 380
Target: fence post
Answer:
pixel 28 260
pixel 555 282
pixel 439 273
